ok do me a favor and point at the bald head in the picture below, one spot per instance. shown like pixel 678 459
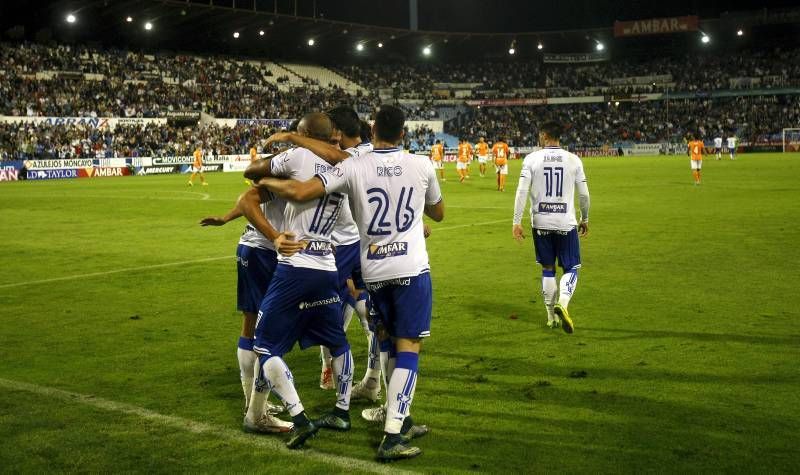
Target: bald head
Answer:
pixel 316 125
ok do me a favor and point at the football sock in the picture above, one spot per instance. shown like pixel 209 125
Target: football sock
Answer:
pixel 282 383
pixel 348 315
pixel 361 310
pixel 325 356
pixel 549 289
pixel 247 366
pixel 400 393
pixel 567 287
pixel 387 359
pixel 343 372
pixel 370 379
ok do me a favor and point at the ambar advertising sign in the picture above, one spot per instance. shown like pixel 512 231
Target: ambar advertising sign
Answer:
pixel 656 26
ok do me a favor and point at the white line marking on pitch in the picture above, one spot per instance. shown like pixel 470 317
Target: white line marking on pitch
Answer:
pixel 195 427
pixel 458 226
pixel 110 272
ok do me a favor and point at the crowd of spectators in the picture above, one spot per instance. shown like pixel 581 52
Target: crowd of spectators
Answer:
pixel 688 73
pixel 756 119
pixel 419 138
pixel 23 141
pixel 77 81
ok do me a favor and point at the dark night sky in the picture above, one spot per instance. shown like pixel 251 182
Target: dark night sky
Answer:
pixel 465 15
pixel 521 15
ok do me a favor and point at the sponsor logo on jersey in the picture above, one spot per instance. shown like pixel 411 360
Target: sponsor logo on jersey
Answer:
pixel 396 170
pixel 403 282
pixel 392 249
pixel 318 248
pixel 317 303
pixel 552 207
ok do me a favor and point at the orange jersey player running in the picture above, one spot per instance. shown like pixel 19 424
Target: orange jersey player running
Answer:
pixel 464 157
pixel 500 154
pixel 482 149
pixel 197 167
pixel 696 154
pixel 437 158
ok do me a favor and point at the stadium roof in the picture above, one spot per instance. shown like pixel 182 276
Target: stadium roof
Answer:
pixel 281 28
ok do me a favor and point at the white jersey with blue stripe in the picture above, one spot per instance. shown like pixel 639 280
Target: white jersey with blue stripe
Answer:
pixel 273 211
pixel 312 221
pixel 346 232
pixel 388 189
pixel 549 177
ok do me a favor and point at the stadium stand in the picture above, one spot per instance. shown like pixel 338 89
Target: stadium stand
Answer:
pixel 620 100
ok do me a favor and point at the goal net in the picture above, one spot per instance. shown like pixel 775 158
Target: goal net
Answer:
pixel 791 140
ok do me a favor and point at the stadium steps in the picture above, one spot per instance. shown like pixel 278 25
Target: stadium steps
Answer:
pixel 323 76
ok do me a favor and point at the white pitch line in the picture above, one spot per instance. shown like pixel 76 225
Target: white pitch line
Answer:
pixel 459 226
pixel 265 442
pixel 110 272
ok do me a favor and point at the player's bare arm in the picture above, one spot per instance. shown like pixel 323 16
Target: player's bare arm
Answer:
pixel 326 151
pixel 435 212
pixel 518 233
pixel 258 169
pixel 221 220
pixel 294 190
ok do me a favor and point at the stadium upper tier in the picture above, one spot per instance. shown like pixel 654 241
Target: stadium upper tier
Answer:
pixel 80 81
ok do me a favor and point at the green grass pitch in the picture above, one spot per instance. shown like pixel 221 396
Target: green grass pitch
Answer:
pixel 685 355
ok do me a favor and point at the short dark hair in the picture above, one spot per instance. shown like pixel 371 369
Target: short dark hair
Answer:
pixel 366 131
pixel 293 125
pixel 389 123
pixel 438 141
pixel 346 119
pixel 552 129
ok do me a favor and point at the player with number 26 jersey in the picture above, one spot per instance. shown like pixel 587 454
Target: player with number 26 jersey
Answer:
pixel 387 188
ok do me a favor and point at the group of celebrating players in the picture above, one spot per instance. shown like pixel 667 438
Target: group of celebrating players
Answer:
pixel 466 152
pixel 336 215
pixel 335 228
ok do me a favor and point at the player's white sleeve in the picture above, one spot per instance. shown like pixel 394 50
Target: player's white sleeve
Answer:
pixel 359 150
pixel 279 164
pixel 335 179
pixel 583 200
pixel 523 189
pixel 583 193
pixel 433 193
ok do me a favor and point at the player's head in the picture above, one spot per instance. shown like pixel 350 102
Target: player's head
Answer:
pixel 346 120
pixel 438 141
pixel 316 125
pixel 481 140
pixel 366 131
pixel 550 131
pixel 389 124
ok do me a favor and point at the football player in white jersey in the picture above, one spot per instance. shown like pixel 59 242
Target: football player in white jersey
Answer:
pixel 549 178
pixel 732 146
pixel 347 134
pixel 718 147
pixel 389 190
pixel 255 263
pixel 302 303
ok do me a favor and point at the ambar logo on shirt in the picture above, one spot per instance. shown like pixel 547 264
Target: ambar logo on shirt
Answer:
pixel 552 207
pixel 392 249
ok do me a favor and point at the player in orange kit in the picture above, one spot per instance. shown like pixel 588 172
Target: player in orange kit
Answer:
pixel 253 159
pixel 437 157
pixel 482 149
pixel 464 157
pixel 500 154
pixel 197 167
pixel 696 147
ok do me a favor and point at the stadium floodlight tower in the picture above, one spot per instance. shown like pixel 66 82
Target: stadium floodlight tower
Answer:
pixel 791 140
